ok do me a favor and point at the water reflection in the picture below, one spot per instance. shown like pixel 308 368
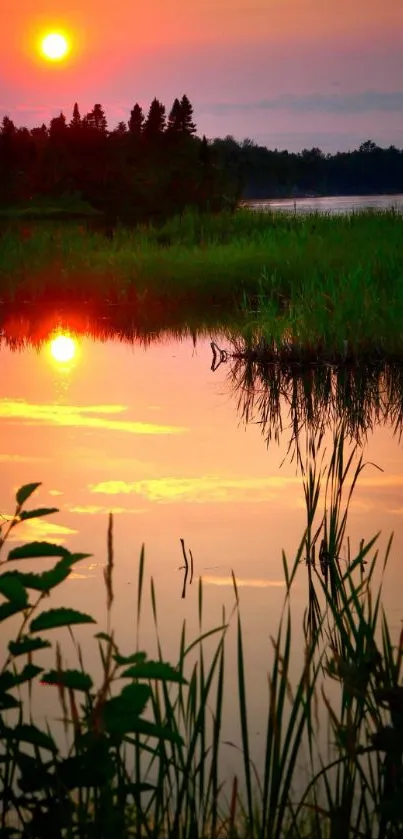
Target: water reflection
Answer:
pixel 187 568
pixel 63 349
pixel 297 397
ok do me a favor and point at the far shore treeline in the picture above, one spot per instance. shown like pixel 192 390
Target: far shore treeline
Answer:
pixel 154 165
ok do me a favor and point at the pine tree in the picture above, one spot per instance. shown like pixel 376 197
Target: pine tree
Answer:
pixel 96 119
pixel 175 118
pixel 7 127
pixel 121 129
pixel 154 125
pixel 204 153
pixel 57 127
pixel 136 121
pixel 76 121
pixel 188 126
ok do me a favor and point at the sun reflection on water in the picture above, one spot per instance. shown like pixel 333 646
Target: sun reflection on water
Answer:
pixel 63 348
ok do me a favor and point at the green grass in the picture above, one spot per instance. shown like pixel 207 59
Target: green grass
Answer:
pixel 143 755
pixel 326 285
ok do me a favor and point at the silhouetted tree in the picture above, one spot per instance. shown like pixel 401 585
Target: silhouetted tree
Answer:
pixel 8 128
pixel 175 122
pixel 368 147
pixel 158 167
pixel 136 121
pixel 96 119
pixel 58 127
pixel 204 152
pixel 121 129
pixel 154 125
pixel 188 126
pixel 76 121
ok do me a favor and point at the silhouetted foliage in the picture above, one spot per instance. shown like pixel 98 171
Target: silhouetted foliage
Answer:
pixel 136 121
pixel 154 125
pixel 146 169
pixel 154 166
pixel 263 173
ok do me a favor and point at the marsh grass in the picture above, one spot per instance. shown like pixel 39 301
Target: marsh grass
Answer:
pixel 144 757
pixel 327 284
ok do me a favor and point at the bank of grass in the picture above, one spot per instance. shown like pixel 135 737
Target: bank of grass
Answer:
pixel 157 774
pixel 328 284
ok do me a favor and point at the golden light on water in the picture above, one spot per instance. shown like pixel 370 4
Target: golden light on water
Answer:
pixel 55 46
pixel 63 348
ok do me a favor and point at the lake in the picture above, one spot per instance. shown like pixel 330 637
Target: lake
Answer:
pixel 332 205
pixel 152 434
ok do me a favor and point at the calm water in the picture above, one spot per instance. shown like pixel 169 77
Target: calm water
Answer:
pixel 158 438
pixel 333 205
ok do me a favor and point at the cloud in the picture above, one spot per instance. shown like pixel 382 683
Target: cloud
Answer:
pixel 38 529
pixel 199 489
pixel 80 416
pixel 92 509
pixel 332 103
pixel 21 458
pixel 243 582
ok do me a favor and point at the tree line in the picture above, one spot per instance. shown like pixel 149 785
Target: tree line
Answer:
pixel 263 173
pixel 148 168
pixel 155 165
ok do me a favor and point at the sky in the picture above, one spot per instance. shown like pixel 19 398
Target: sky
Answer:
pixel 286 73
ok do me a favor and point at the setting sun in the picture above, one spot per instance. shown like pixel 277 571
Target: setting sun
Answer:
pixel 55 46
pixel 63 348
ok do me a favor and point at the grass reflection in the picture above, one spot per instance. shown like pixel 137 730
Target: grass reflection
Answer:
pixel 297 396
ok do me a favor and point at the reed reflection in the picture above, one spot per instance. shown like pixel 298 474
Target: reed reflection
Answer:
pixel 290 395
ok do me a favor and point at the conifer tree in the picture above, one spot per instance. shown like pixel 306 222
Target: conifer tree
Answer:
pixel 175 118
pixel 58 126
pixel 7 127
pixel 188 126
pixel 154 125
pixel 136 121
pixel 96 119
pixel 76 121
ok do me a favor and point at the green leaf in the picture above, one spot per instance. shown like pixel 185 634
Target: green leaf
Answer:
pixel 12 588
pixel 27 645
pixel 154 670
pixel 7 702
pixel 24 733
pixel 121 713
pixel 8 609
pixel 104 636
pixel 135 658
pixel 150 729
pixel 35 550
pixel 74 679
pixel 25 492
pixel 9 680
pixel 36 514
pixel 54 618
pixel 48 579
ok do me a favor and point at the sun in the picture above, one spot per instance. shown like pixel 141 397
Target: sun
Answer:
pixel 63 348
pixel 55 46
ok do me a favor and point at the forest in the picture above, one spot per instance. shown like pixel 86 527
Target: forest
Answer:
pixel 155 165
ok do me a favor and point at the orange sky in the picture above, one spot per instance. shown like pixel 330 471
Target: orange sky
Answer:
pixel 285 73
